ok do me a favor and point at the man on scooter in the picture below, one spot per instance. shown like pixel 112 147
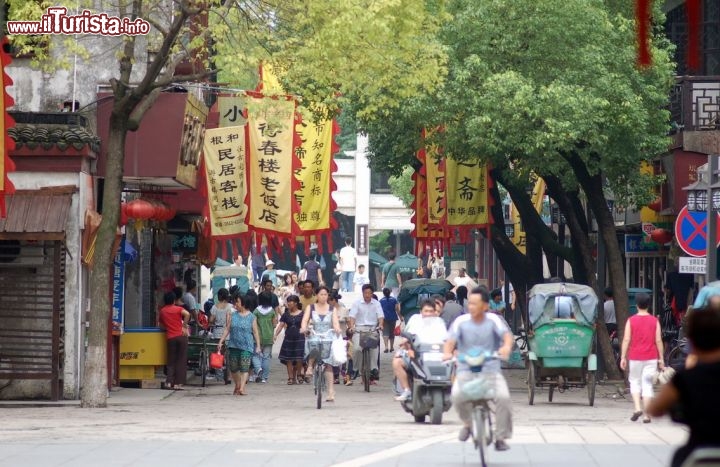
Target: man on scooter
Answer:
pixel 428 328
pixel 478 330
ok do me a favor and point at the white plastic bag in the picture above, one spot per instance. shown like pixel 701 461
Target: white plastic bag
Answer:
pixel 338 351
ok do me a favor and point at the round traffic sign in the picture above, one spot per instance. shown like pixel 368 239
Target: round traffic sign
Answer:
pixel 691 231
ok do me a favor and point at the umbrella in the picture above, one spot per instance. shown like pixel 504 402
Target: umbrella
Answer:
pixel 376 259
pixel 407 263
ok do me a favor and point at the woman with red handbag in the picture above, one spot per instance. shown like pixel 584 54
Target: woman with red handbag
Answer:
pixel 391 310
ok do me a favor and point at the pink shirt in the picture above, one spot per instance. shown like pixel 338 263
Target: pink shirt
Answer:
pixel 642 338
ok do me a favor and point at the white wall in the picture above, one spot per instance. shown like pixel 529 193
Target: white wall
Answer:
pixel 75 272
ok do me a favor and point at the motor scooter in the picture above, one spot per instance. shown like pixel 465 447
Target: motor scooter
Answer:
pixel 430 380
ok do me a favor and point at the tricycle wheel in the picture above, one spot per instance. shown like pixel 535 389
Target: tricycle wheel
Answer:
pixel 419 418
pixel 531 382
pixel 550 393
pixel 591 387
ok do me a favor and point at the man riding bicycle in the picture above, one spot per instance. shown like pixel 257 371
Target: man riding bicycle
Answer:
pixel 479 330
pixel 365 315
pixel 428 328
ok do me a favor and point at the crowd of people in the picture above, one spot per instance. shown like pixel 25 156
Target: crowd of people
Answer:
pixel 303 311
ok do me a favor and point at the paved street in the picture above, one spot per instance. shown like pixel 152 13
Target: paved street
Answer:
pixel 277 425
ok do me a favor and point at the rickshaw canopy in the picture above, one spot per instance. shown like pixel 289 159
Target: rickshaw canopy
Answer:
pixel 550 301
pixel 414 291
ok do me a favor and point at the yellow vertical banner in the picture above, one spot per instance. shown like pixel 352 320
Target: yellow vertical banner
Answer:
pixel 269 79
pixel 466 192
pixel 538 197
pixel 315 155
pixel 224 153
pixel 435 173
pixel 231 110
pixel 270 164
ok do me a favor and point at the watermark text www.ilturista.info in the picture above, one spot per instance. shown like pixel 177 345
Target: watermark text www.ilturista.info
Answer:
pixel 57 21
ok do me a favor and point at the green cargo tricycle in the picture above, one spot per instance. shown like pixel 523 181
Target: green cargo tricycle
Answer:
pixel 561 339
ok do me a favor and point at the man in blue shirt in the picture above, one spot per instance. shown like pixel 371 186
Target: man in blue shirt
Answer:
pixel 479 330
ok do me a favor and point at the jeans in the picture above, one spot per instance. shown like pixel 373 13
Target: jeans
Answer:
pixel 346 279
pixel 262 360
pixel 503 405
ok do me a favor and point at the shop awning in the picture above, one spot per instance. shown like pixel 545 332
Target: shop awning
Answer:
pixel 37 214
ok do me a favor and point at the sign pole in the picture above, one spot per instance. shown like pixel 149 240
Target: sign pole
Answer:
pixel 711 271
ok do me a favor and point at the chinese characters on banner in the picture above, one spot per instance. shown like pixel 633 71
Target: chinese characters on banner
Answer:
pixel 435 173
pixel 270 165
pixel 224 150
pixel 315 155
pixel 427 234
pixel 231 110
pixel 118 289
pixel 467 195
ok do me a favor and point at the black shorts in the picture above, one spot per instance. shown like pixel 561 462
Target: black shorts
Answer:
pixel 389 328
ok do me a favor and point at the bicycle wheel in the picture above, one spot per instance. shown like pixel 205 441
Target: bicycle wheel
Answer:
pixel 366 369
pixel 203 363
pixel 319 382
pixel 676 358
pixel 478 427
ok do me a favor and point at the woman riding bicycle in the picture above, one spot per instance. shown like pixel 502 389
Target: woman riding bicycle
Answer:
pixel 323 319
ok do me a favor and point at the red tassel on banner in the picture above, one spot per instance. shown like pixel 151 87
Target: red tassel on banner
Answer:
pixel 642 24
pixel 693 9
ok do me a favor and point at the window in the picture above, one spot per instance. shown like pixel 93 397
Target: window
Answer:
pixel 379 183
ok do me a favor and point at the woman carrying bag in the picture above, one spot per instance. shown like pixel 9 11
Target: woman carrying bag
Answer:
pixel 642 354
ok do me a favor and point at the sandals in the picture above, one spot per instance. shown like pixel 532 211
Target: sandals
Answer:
pixel 290 382
pixel 636 416
pixel 646 420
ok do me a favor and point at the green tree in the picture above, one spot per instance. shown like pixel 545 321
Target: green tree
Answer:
pixel 373 52
pixel 551 88
pixel 402 185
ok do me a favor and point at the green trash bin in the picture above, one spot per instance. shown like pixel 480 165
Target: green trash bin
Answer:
pixel 632 293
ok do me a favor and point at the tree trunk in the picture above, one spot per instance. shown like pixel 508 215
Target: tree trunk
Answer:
pixel 94 389
pixel 592 185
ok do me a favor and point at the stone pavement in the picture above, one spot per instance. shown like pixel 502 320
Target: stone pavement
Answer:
pixel 278 425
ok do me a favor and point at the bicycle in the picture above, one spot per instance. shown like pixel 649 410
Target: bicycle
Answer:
pixel 368 340
pixel 319 367
pixel 482 425
pixel 676 353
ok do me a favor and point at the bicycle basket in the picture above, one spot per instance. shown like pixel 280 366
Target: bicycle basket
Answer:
pixel 319 347
pixel 478 389
pixel 369 340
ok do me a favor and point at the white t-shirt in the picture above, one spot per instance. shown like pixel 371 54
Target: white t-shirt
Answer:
pixel 347 257
pixel 462 281
pixel 360 279
pixel 430 330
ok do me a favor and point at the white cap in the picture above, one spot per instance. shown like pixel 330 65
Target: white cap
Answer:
pixel 269 262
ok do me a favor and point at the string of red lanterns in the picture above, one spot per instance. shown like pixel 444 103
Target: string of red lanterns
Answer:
pixel 144 209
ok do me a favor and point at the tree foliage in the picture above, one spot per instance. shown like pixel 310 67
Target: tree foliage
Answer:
pixel 402 185
pixel 373 53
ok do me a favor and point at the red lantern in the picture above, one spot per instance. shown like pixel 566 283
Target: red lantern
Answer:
pixel 140 209
pixel 656 205
pixel 661 236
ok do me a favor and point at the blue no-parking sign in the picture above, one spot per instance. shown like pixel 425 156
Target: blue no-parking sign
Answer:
pixel 691 232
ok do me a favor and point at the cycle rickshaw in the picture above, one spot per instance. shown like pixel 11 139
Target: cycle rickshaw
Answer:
pixel 561 338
